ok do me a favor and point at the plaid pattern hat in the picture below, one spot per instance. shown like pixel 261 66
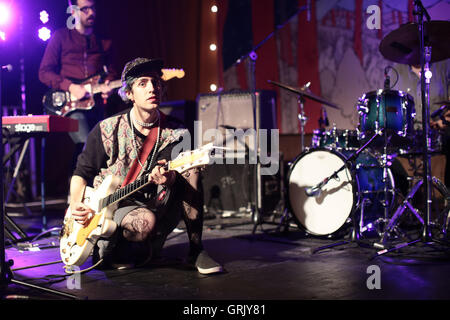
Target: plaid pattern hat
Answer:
pixel 138 66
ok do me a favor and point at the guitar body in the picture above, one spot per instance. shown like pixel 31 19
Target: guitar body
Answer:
pixel 77 241
pixel 62 103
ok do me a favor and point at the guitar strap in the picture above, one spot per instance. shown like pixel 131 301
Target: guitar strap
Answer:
pixel 149 144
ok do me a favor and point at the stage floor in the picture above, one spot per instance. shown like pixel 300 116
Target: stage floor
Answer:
pixel 260 265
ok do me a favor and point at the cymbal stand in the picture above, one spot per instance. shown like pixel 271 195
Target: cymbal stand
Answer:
pixel 302 119
pixel 356 231
pixel 407 205
pixel 425 57
pixel 257 208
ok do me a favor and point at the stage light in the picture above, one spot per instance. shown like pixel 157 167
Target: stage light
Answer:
pixel 2 35
pixel 44 33
pixel 213 87
pixel 214 8
pixel 43 16
pixel 212 47
pixel 4 14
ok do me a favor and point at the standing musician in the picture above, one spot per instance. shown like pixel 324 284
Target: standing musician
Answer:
pixel 114 147
pixel 74 54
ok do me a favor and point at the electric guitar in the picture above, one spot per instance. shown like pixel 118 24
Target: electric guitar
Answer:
pixel 62 103
pixel 77 240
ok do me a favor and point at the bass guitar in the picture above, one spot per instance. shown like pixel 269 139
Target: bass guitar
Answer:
pixel 77 240
pixel 62 103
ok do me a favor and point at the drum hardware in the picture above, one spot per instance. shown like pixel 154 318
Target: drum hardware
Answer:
pixel 412 37
pixel 316 190
pixel 393 230
pixel 252 55
pixel 302 93
pixel 302 119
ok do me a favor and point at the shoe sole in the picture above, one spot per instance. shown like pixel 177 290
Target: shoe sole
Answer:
pixel 210 270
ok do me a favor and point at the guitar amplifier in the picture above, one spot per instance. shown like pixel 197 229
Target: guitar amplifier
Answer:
pixel 233 110
pixel 231 188
pixel 228 188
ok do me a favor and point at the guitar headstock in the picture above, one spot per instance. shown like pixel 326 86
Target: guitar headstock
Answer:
pixel 172 73
pixel 192 159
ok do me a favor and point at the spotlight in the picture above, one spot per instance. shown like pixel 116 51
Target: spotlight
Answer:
pixel 4 14
pixel 43 16
pixel 44 33
pixel 213 87
pixel 214 8
pixel 212 47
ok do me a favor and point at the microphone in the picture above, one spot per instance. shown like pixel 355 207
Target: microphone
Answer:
pixel 313 191
pixel 7 67
pixel 387 80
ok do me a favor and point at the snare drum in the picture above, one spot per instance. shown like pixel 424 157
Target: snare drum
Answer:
pixel 389 109
pixel 328 211
pixel 339 139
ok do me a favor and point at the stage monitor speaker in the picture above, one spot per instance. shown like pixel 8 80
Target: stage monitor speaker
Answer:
pixel 234 110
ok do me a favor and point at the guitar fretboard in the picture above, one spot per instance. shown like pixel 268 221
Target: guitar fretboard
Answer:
pixel 124 192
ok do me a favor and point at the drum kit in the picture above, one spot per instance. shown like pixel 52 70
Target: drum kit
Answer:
pixel 344 180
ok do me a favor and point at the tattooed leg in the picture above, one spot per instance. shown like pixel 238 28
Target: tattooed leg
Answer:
pixel 138 224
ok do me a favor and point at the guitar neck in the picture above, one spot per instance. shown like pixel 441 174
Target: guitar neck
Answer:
pixel 113 85
pixel 188 161
pixel 128 190
pixel 124 192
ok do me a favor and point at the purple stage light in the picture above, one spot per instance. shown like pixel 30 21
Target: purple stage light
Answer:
pixel 5 14
pixel 2 35
pixel 43 16
pixel 44 33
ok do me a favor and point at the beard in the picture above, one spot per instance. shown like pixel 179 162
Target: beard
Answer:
pixel 89 22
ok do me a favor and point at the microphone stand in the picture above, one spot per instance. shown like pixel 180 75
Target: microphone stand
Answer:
pixel 257 208
pixel 356 232
pixel 425 57
pixel 6 275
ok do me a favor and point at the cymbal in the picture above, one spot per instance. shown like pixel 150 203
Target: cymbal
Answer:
pixel 402 45
pixel 304 93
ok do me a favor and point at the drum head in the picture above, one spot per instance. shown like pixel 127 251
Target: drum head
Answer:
pixel 328 211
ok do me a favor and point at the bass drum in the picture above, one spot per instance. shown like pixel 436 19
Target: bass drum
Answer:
pixel 327 212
